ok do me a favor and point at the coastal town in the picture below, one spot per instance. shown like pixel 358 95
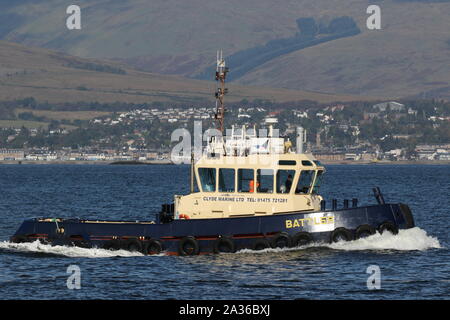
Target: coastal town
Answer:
pixel 336 133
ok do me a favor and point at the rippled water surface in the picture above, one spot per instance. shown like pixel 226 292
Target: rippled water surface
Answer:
pixel 414 264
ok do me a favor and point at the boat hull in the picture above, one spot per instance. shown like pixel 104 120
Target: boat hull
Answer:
pixel 201 236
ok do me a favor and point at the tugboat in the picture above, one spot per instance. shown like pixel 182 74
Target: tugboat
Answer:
pixel 247 192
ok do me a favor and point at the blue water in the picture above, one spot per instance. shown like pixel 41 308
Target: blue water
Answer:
pixel 413 265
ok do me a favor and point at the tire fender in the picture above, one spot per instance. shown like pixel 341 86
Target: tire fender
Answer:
pixel 132 245
pixel 112 245
pixel 153 247
pixel 301 239
pixel 388 226
pixel 342 233
pixel 281 240
pixel 188 246
pixel 261 244
pixel 224 242
pixel 364 229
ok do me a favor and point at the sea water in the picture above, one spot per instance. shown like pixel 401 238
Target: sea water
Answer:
pixel 415 264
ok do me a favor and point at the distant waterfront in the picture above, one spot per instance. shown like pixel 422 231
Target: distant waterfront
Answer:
pixel 168 162
pixel 382 162
pixel 87 162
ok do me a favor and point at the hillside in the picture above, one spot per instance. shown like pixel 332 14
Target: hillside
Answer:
pixel 408 57
pixel 56 77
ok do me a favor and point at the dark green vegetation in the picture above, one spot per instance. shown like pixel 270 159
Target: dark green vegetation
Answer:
pixel 358 123
pixel 339 126
pixel 95 67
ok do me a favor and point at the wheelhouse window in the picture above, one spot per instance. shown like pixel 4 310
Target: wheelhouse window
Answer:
pixel 317 182
pixel 284 180
pixel 226 180
pixel 305 181
pixel 246 180
pixel 287 163
pixel 207 179
pixel 265 180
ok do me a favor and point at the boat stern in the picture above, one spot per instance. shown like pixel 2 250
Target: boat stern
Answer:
pixel 407 216
pixel 25 231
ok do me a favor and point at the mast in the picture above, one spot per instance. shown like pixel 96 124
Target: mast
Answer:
pixel 221 73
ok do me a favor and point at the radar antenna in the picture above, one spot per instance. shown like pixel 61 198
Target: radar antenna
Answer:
pixel 221 74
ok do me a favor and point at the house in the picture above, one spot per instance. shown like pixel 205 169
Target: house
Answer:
pixel 393 106
pixel 352 156
pixel 9 154
pixel 444 156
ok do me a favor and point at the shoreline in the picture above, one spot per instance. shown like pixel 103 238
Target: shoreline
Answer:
pixel 386 162
pixel 86 162
pixel 168 162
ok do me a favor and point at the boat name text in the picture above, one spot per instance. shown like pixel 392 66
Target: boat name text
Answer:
pixel 297 223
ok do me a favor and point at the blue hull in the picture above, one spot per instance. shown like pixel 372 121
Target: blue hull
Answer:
pixel 201 236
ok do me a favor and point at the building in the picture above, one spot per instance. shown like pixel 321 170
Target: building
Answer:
pixel 393 106
pixel 11 154
pixel 329 156
pixel 352 156
pixel 443 155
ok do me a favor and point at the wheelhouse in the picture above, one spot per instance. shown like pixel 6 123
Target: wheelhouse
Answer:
pixel 228 186
pixel 298 175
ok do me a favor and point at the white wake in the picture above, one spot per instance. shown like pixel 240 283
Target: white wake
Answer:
pixel 405 240
pixel 68 251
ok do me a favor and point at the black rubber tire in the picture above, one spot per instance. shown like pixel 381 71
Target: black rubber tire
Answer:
pixel 188 246
pixel 301 239
pixel 112 245
pixel 281 240
pixel 364 231
pixel 20 239
pixel 153 247
pixel 341 234
pixel 44 240
pixel 80 244
pixel 261 244
pixel 388 226
pixel 224 245
pixel 133 245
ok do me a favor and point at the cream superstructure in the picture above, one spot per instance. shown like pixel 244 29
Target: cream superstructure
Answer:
pixel 251 176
